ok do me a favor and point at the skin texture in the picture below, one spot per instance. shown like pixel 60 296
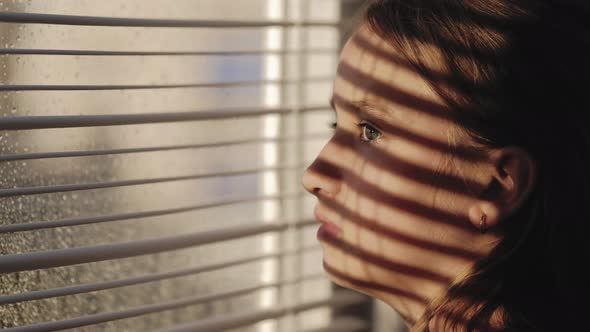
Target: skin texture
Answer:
pixel 407 206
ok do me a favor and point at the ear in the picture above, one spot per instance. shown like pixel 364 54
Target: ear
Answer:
pixel 512 177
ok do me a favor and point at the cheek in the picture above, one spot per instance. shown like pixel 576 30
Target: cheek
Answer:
pixel 393 200
pixel 392 176
pixel 391 191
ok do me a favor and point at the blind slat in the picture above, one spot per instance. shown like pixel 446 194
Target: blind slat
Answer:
pixel 88 153
pixel 79 255
pixel 70 121
pixel 93 287
pixel 40 18
pixel 126 183
pixel 39 51
pixel 74 87
pixel 224 322
pixel 344 324
pixel 70 222
pixel 142 310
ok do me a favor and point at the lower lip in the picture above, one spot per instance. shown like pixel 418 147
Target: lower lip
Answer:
pixel 328 231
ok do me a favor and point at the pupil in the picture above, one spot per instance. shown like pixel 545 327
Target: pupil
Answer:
pixel 370 133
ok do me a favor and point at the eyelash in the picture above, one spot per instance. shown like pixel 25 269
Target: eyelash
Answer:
pixel 364 125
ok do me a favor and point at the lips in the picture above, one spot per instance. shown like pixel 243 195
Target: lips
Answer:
pixel 328 229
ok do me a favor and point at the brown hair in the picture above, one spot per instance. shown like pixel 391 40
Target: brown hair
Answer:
pixel 517 72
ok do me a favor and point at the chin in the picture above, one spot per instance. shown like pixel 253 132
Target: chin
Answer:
pixel 340 278
pixel 401 306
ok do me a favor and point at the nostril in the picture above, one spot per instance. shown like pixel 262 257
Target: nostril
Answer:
pixel 322 178
pixel 310 184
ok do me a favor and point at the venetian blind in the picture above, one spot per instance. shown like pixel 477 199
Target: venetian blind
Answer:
pixel 150 156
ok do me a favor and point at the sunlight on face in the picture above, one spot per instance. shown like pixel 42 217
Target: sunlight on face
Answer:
pixel 389 184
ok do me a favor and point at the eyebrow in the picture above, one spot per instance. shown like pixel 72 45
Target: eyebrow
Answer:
pixel 370 109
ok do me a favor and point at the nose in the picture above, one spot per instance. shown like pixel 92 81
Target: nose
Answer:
pixel 323 175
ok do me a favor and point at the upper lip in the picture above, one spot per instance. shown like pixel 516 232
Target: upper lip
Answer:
pixel 321 217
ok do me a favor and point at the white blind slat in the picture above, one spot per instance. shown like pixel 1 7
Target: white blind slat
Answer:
pixel 87 153
pixel 127 183
pixel 38 18
pixel 344 324
pixel 225 322
pixel 79 255
pixel 69 121
pixel 69 222
pixel 93 287
pixel 74 87
pixel 21 51
pixel 150 308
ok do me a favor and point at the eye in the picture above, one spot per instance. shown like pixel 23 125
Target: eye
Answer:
pixel 369 132
pixel 333 125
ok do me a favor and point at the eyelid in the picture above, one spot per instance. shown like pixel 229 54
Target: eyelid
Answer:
pixel 372 124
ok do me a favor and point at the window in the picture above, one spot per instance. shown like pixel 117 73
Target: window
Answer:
pixel 150 157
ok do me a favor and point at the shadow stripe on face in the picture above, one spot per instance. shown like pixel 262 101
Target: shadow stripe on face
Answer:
pixel 454 316
pixel 384 161
pixel 379 88
pixel 364 44
pixel 390 265
pixel 373 285
pixel 435 75
pixel 336 173
pixel 397 236
pixel 462 152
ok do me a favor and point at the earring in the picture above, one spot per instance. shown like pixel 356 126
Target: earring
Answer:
pixel 482 224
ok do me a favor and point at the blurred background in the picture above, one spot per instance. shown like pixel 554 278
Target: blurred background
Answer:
pixel 150 161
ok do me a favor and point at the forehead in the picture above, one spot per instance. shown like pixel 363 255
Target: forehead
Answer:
pixel 371 69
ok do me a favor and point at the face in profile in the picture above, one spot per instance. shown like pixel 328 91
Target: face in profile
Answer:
pixel 393 198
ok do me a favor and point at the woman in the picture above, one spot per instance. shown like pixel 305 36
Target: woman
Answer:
pixel 454 187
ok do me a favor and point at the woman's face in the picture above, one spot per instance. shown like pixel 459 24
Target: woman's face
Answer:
pixel 392 196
